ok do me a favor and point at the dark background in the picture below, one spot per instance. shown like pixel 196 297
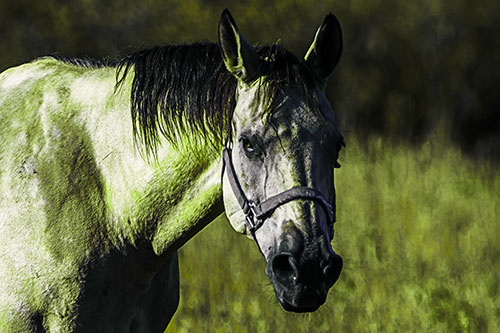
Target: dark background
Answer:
pixel 409 69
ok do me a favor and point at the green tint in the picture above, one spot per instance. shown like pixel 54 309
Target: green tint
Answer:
pixel 418 230
pixel 406 65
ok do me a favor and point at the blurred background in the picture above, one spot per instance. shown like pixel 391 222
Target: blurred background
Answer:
pixel 407 67
pixel 416 98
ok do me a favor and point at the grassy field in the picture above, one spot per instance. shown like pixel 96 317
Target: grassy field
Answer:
pixel 419 231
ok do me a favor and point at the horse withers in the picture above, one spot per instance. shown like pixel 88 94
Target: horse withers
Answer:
pixel 106 169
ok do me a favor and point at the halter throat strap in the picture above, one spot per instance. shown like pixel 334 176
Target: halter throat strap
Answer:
pixel 257 213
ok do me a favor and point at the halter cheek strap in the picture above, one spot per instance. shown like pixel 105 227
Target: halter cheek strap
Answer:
pixel 257 213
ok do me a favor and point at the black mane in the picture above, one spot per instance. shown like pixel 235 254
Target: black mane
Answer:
pixel 179 89
pixel 186 91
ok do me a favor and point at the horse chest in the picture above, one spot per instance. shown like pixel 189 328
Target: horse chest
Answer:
pixel 119 297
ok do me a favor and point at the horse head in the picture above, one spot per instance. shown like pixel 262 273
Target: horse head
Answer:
pixel 280 156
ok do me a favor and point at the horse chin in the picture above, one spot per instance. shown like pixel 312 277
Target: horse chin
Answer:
pixel 299 301
pixel 291 308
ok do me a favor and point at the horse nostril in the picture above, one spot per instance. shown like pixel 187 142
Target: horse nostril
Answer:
pixel 285 269
pixel 332 270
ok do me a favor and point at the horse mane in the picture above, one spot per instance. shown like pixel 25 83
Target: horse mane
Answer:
pixel 179 90
pixel 185 91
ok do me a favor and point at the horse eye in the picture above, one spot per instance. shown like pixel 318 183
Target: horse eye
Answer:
pixel 248 147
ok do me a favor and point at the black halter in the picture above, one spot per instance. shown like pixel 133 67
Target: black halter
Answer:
pixel 257 213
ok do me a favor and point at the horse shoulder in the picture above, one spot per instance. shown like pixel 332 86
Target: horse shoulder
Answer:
pixel 52 201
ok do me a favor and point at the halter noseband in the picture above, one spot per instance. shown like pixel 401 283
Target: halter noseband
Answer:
pixel 257 213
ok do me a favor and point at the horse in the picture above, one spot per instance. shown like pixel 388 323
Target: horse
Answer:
pixel 108 168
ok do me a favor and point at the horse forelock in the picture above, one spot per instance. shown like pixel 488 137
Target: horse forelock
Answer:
pixel 284 70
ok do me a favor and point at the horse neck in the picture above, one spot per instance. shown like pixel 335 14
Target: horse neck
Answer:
pixel 160 202
pixel 191 198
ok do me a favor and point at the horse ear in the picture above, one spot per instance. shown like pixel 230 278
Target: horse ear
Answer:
pixel 324 52
pixel 238 54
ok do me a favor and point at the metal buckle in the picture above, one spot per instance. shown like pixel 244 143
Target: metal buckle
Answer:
pixel 251 217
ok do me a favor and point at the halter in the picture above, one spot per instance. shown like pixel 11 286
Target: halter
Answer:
pixel 256 214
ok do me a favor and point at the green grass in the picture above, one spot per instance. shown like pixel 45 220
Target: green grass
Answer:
pixel 419 231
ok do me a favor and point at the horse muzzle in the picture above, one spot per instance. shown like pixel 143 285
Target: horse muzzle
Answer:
pixel 301 284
